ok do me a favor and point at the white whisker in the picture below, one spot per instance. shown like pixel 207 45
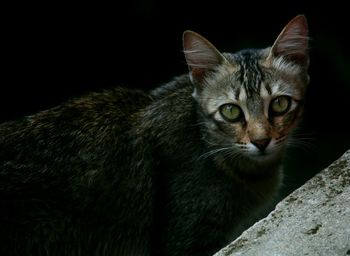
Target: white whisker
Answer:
pixel 302 141
pixel 212 152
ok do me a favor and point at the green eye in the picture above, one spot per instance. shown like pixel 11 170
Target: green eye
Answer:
pixel 231 112
pixel 280 105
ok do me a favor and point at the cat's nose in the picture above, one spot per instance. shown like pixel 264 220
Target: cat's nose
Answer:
pixel 261 144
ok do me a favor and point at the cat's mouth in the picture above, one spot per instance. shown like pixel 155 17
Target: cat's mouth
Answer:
pixel 264 157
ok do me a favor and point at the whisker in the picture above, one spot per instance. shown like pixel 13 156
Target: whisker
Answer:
pixel 198 124
pixel 212 152
pixel 302 143
pixel 236 156
pixel 212 143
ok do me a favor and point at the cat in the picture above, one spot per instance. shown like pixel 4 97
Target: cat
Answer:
pixel 181 170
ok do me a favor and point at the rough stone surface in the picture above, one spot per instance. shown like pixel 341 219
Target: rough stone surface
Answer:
pixel 313 220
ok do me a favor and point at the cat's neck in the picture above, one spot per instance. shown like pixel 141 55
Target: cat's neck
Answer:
pixel 170 123
pixel 178 82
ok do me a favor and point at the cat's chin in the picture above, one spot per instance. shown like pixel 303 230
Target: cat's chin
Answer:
pixel 263 157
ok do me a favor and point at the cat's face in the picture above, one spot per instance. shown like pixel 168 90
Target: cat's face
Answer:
pixel 250 101
pixel 251 109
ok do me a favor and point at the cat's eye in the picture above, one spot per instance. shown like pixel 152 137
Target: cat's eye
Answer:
pixel 280 105
pixel 231 112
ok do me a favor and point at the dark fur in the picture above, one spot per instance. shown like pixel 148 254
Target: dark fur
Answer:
pixel 116 173
pixel 121 173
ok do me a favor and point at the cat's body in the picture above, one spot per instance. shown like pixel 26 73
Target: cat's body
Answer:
pixel 174 172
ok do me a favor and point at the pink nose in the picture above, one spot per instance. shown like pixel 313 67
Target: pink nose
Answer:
pixel 261 144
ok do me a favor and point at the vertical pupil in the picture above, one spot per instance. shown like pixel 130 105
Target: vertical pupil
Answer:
pixel 284 103
pixel 232 111
pixel 280 102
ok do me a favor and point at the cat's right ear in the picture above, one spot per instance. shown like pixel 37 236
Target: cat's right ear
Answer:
pixel 201 56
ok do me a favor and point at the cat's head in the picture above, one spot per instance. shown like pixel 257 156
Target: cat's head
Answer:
pixel 250 100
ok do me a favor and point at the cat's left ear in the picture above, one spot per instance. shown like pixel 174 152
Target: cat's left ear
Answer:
pixel 201 56
pixel 292 43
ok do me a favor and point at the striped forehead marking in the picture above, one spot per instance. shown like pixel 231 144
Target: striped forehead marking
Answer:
pixel 250 74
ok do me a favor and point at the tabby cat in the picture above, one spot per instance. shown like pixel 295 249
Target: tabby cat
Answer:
pixel 181 170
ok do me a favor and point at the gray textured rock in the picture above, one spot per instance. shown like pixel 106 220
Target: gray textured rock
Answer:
pixel 313 220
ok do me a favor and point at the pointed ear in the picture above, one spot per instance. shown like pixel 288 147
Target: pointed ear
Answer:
pixel 201 55
pixel 292 42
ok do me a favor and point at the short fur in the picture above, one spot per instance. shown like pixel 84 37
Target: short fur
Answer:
pixel 124 172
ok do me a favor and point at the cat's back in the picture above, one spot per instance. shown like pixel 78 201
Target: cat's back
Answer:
pixel 107 107
pixel 77 135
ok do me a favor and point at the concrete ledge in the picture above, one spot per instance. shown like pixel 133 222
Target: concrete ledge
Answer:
pixel 313 220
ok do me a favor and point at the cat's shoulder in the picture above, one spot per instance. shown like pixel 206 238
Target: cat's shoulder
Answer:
pixel 180 85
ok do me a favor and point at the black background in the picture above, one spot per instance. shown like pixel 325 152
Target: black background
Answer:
pixel 53 52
